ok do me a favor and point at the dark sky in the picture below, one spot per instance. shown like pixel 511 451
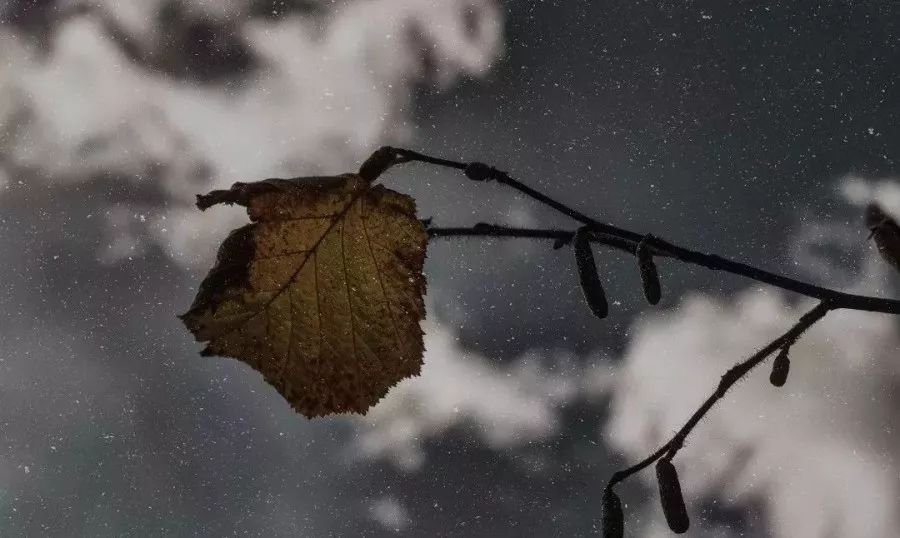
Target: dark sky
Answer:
pixel 714 126
pixel 717 127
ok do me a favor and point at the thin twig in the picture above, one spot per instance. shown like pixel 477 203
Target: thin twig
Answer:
pixel 728 380
pixel 620 237
pixel 838 299
pixel 628 241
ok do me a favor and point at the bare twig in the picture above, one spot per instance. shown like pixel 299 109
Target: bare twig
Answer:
pixel 838 299
pixel 630 242
pixel 728 380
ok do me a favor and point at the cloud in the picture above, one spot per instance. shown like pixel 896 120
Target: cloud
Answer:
pixel 819 454
pixel 322 91
pixel 506 406
pixel 860 192
pixel 121 427
pixel 110 97
pixel 389 512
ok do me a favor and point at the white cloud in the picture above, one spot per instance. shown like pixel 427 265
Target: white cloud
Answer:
pixel 860 191
pixel 506 406
pixel 328 90
pixel 819 453
pixel 389 513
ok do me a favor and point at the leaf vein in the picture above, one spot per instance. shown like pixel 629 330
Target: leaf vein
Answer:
pixel 387 301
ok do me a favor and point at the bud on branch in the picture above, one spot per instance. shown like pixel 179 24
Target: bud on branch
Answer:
pixel 670 496
pixel 587 273
pixel 649 274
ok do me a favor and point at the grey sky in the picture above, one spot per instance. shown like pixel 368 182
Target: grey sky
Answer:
pixel 721 127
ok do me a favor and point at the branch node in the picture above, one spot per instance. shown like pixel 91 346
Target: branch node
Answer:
pixel 481 172
pixel 728 379
pixel 562 241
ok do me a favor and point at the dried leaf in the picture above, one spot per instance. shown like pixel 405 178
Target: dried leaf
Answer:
pixel 321 293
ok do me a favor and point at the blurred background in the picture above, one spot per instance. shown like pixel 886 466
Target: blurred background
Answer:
pixel 757 131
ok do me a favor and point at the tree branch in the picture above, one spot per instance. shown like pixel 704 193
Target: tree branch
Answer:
pixel 650 246
pixel 837 299
pixel 628 240
pixel 732 376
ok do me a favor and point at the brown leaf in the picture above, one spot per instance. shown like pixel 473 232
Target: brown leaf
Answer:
pixel 321 293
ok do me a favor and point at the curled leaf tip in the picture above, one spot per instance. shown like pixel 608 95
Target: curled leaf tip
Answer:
pixel 205 201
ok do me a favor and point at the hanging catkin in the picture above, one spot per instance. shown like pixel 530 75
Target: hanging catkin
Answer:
pixel 587 274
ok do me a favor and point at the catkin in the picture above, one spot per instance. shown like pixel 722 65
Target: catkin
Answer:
pixel 671 498
pixel 613 521
pixel 587 274
pixel 780 368
pixel 649 274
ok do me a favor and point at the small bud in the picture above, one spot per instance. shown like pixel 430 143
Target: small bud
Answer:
pixel 649 274
pixel 612 519
pixel 479 172
pixel 780 367
pixel 671 498
pixel 587 274
pixel 561 242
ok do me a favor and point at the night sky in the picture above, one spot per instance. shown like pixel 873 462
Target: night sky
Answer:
pixel 715 127
pixel 730 129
